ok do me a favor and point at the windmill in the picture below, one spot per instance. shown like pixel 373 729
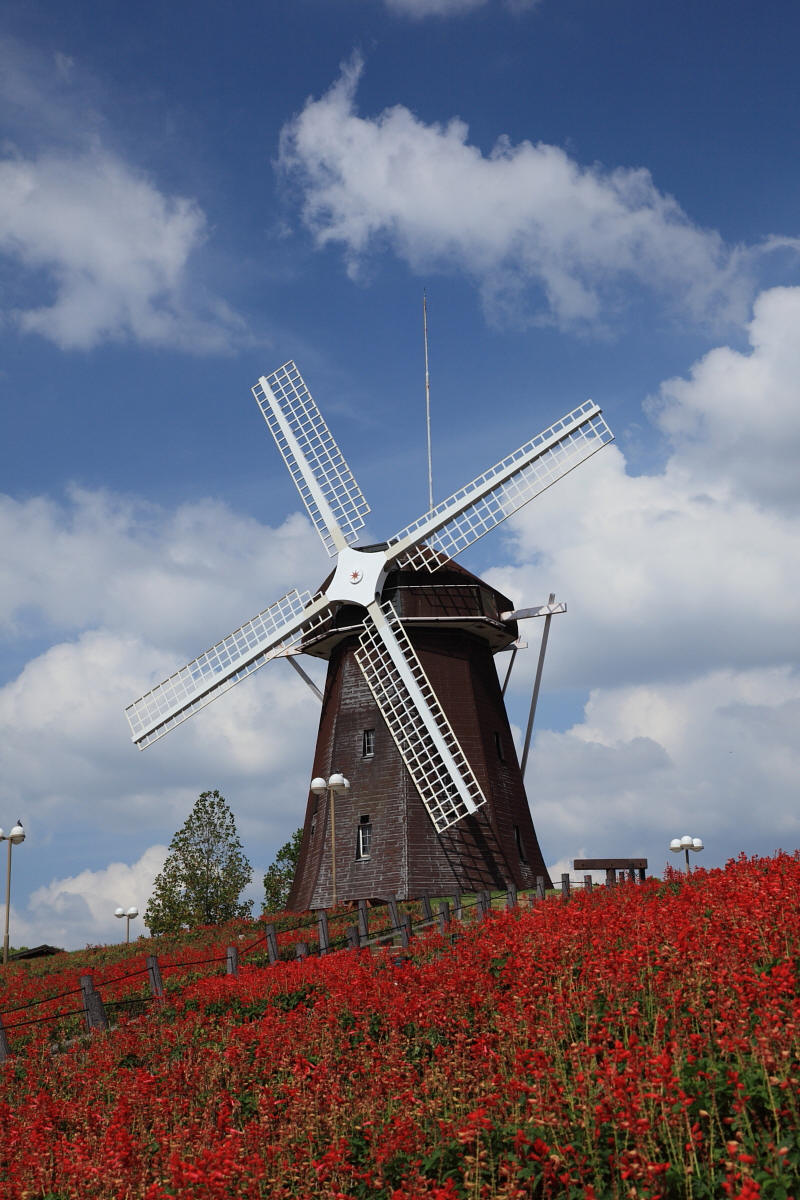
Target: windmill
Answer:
pixel 412 709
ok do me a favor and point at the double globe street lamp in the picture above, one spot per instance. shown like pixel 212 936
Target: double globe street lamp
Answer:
pixel 13 837
pixel 686 844
pixel 130 913
pixel 319 786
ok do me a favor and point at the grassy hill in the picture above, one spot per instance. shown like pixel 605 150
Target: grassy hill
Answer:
pixel 636 1042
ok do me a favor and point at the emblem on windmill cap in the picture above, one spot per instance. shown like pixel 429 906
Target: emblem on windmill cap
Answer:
pixel 356 575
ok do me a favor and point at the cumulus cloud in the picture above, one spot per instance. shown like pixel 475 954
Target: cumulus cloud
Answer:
pixel 121 592
pixel 433 8
pixel 94 250
pixel 735 420
pixel 699 558
pixel 113 251
pixel 99 566
pixel 79 910
pixel 682 622
pixel 100 559
pixel 67 755
pixel 538 232
pixel 449 8
pixel 714 757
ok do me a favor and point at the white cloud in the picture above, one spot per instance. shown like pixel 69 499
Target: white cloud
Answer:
pixel 94 251
pixel 70 769
pixel 698 558
pixel 536 229
pixel 433 8
pixel 93 569
pixel 681 620
pixel 178 580
pixel 449 8
pixel 113 252
pixel 735 422
pixel 79 910
pixel 183 578
pixel 714 757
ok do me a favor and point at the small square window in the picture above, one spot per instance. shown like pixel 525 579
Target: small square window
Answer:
pixel 368 743
pixel 498 745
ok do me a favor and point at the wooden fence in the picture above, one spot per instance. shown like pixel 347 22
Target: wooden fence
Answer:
pixel 95 1004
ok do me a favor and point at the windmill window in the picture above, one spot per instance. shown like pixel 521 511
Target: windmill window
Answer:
pixel 313 824
pixel 498 745
pixel 520 848
pixel 363 837
pixel 368 743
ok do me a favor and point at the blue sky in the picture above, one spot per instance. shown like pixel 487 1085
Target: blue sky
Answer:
pixel 601 201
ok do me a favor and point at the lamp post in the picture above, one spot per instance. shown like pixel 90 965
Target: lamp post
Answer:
pixel 319 786
pixel 686 844
pixel 14 837
pixel 130 913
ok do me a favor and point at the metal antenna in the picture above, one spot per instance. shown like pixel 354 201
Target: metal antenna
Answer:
pixel 427 398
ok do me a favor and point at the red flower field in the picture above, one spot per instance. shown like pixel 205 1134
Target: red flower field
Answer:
pixel 640 1041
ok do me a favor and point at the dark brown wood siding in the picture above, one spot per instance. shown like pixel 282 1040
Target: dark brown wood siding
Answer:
pixel 407 856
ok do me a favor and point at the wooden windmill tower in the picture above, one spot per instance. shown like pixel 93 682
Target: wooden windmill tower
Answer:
pixel 412 711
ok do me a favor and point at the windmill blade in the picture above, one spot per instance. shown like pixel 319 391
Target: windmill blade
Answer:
pixel 322 477
pixel 416 721
pixel 479 507
pixel 269 634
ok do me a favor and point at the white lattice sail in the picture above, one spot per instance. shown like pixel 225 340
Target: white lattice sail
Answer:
pixel 425 739
pixel 271 633
pixel 326 485
pixel 500 492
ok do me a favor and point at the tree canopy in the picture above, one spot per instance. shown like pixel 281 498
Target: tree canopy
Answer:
pixel 278 879
pixel 205 872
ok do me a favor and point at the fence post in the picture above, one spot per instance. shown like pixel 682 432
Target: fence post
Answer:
pixel 301 950
pixel 363 919
pixel 323 932
pixel 353 939
pixel 444 915
pixel 427 911
pixel 394 914
pixel 272 944
pixel 232 961
pixel 611 877
pixel 5 1051
pixel 93 1009
pixel 405 929
pixel 511 896
pixel 540 887
pixel 587 883
pixel 458 912
pixel 565 887
pixel 154 975
pixel 484 904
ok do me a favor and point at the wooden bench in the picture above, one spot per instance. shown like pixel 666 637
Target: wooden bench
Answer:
pixel 625 866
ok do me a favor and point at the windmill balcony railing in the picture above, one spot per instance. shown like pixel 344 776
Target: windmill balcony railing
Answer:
pixel 456 601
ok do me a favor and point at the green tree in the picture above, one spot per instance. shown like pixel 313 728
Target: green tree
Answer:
pixel 204 874
pixel 278 879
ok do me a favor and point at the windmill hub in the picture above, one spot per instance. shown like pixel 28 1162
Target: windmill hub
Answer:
pixel 359 576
